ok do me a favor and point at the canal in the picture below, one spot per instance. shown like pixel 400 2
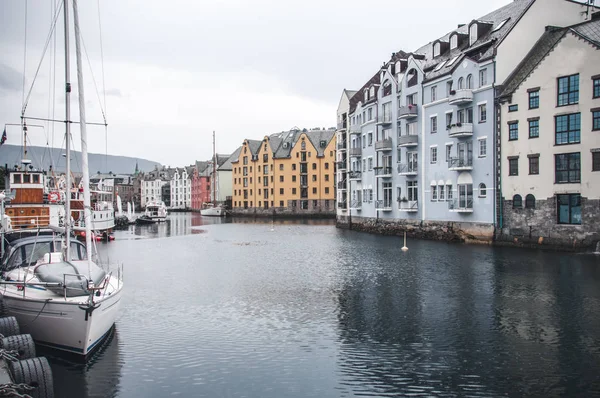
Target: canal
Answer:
pixel 302 309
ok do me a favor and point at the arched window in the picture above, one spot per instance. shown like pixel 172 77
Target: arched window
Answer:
pixel 460 83
pixel 517 202
pixel 482 190
pixel 413 78
pixel 453 42
pixel 530 201
pixel 470 81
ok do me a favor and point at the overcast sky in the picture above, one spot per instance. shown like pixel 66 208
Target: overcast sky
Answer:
pixel 176 70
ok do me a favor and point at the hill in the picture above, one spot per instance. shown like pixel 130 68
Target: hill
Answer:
pixel 41 159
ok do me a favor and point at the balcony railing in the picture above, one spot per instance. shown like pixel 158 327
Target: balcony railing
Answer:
pixel 384 145
pixel 383 171
pixel 408 112
pixel 408 169
pixel 356 204
pixel 342 165
pixel 460 164
pixel 384 119
pixel 342 125
pixel 341 185
pixel 383 205
pixel 355 151
pixel 341 146
pixel 461 205
pixel 410 206
pixel 408 140
pixel 355 129
pixel 462 96
pixel 355 175
pixel 461 130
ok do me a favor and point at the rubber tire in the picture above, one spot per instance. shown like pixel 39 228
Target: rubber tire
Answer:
pixel 35 372
pixel 22 343
pixel 9 326
pixel 3 311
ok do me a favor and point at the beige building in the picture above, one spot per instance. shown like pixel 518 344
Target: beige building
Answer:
pixel 286 173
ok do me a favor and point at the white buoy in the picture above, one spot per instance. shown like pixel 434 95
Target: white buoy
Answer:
pixel 272 226
pixel 404 248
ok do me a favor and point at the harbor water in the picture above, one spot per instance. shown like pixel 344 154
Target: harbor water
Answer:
pixel 245 308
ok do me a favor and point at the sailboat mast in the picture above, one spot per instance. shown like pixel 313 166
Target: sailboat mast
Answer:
pixel 67 221
pixel 87 211
pixel 214 170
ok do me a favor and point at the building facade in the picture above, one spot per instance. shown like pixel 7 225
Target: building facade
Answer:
pixel 200 185
pixel 181 188
pixel 422 138
pixel 550 141
pixel 286 173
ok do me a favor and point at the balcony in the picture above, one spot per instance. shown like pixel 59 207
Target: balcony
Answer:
pixel 342 125
pixel 341 165
pixel 407 169
pixel 383 205
pixel 384 145
pixel 383 171
pixel 341 146
pixel 409 206
pixel 460 164
pixel 408 140
pixel 460 97
pixel 341 185
pixel 408 112
pixel 356 152
pixel 355 175
pixel 461 205
pixel 355 129
pixel 384 119
pixel 356 205
pixel 459 130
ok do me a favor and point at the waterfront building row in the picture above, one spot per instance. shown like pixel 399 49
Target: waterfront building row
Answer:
pixel 424 141
pixel 291 172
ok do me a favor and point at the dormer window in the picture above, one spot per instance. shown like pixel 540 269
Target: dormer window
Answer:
pixel 412 78
pixel 436 49
pixel 387 88
pixel 472 34
pixel 372 92
pixel 366 94
pixel 453 41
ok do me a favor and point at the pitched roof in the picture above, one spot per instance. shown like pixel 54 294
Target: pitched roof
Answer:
pixel 228 166
pixel 254 146
pixel 589 31
pixel 358 96
pixel 316 136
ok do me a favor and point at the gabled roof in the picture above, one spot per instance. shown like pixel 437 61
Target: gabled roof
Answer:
pixel 358 96
pixel 589 31
pixel 316 136
pixel 254 146
pixel 228 166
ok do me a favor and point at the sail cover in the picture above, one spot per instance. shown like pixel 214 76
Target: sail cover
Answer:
pixel 75 279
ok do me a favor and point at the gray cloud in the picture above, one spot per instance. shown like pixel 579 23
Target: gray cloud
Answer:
pixel 10 79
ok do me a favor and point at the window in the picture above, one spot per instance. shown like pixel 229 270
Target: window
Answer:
pixel 534 164
pixel 513 166
pixel 482 190
pixel 293 166
pixel 534 128
pixel 568 90
pixel 517 202
pixel 448 152
pixel 596 120
pixel 568 208
pixel 469 114
pixel 293 178
pixel 567 168
pixel 370 135
pixel 449 192
pixel 453 42
pixel 482 77
pixel 482 113
pixel 440 192
pixel 513 131
pixel 280 178
pixel 370 164
pixel 314 177
pixel 281 167
pixel 460 84
pixel 534 99
pixel 434 124
pixel 314 190
pixel 370 113
pixel 469 81
pixel 433 152
pixel 314 166
pixel 326 190
pixel 567 129
pixel 293 191
pixel 472 34
pixel 448 88
pixel 326 166
pixel 530 201
pixel 433 192
pixel 326 177
pixel 482 147
pixel 448 120
pixel 513 108
pixel 596 86
pixel 281 191
pixel 596 161
pixel 433 93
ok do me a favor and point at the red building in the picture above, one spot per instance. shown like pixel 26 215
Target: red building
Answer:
pixel 201 185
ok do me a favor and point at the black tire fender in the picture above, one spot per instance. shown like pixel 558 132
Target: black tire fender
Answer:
pixel 22 343
pixel 35 372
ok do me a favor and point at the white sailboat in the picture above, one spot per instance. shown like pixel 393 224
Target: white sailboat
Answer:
pixel 56 292
pixel 213 209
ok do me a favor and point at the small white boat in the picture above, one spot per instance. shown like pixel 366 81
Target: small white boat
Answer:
pixel 212 210
pixel 156 211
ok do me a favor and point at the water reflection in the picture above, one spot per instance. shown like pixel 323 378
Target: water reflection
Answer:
pixel 99 377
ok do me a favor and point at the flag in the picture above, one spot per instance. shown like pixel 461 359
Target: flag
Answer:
pixel 3 139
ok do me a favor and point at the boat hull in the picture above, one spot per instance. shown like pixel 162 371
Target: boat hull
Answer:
pixel 64 325
pixel 213 212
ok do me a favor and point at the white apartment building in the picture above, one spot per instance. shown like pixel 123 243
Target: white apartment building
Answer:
pixel 181 188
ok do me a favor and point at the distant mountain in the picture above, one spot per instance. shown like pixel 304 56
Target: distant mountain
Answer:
pixel 41 159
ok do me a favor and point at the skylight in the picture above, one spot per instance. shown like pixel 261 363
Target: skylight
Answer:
pixel 500 25
pixel 440 66
pixel 453 60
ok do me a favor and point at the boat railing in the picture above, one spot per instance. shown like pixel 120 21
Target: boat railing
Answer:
pixel 19 222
